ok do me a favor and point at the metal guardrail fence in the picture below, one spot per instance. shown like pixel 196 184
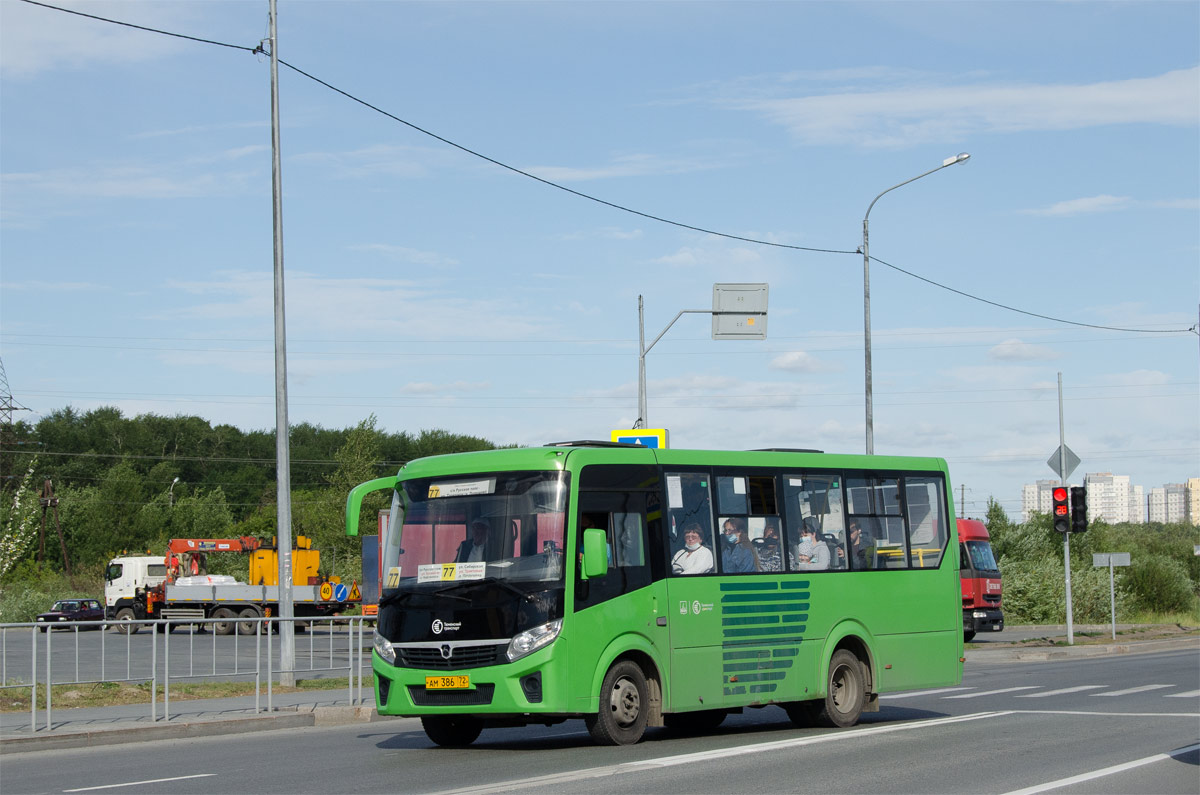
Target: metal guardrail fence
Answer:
pixel 327 645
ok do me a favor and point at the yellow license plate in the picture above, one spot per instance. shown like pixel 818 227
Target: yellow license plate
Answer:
pixel 458 682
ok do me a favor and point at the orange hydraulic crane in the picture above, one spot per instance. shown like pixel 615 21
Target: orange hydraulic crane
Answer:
pixel 189 556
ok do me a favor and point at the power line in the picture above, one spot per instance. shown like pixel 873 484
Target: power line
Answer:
pixel 259 49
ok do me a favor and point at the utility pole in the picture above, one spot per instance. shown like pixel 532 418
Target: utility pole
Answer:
pixel 1062 468
pixel 283 478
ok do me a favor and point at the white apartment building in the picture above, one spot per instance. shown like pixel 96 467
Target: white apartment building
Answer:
pixel 1114 499
pixel 1193 500
pixel 1037 497
pixel 1168 503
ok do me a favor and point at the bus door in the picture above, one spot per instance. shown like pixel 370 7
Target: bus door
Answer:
pixel 693 611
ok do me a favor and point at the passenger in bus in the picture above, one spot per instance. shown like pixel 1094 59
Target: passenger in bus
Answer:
pixel 811 553
pixel 737 555
pixel 474 549
pixel 860 541
pixel 694 558
pixel 769 549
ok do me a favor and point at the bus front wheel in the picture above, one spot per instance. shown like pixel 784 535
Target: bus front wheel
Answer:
pixel 623 704
pixel 452 731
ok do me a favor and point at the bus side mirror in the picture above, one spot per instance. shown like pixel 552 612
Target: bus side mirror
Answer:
pixel 354 500
pixel 595 553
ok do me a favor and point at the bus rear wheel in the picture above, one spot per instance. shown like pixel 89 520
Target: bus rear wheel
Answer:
pixel 452 731
pixel 623 704
pixel 845 692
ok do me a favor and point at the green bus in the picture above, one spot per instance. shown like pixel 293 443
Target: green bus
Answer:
pixel 637 587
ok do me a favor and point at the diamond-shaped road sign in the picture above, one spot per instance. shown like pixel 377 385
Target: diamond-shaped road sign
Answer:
pixel 1072 462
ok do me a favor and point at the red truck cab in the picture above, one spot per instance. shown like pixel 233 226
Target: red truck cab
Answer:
pixel 980 576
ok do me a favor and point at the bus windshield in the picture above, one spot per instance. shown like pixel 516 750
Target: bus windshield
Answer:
pixel 496 526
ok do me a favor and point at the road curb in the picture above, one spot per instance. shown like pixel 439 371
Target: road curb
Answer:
pixel 165 731
pixel 1056 653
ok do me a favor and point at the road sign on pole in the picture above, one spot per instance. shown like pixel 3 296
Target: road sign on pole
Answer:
pixel 1068 460
pixel 1111 559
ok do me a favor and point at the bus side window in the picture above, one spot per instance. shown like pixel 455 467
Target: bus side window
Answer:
pixel 926 525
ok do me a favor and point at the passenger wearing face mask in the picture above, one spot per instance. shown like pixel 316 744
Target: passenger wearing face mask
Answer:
pixel 737 554
pixel 694 558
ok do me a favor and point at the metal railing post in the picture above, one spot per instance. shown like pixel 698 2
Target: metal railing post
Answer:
pixel 49 677
pixel 166 670
pixel 33 679
pixel 153 678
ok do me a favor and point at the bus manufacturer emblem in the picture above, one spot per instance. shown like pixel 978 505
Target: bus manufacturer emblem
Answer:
pixel 446 651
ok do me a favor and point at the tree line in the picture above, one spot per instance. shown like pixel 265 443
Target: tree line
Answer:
pixel 128 484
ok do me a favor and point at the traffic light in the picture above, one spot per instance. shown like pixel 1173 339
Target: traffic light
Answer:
pixel 1062 510
pixel 1078 509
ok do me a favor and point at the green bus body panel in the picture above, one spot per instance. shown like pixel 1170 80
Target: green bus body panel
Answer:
pixel 729 641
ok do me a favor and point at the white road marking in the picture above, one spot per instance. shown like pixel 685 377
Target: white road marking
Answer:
pixel 708 756
pixel 1108 771
pixel 1064 691
pixel 137 783
pixel 924 692
pixel 996 692
pixel 1189 694
pixel 1141 689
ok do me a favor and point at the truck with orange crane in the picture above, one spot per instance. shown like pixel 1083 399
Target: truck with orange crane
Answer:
pixel 178 588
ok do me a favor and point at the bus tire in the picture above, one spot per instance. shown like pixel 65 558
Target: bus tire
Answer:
pixel 224 626
pixel 452 731
pixel 845 691
pixel 248 625
pixel 624 702
pixel 124 615
pixel 700 722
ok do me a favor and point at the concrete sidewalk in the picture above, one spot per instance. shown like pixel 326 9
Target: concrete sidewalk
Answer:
pixel 79 728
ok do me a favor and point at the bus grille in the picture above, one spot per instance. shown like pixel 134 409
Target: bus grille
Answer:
pixel 460 657
pixel 479 697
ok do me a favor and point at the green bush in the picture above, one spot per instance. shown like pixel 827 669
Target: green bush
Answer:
pixel 1035 593
pixel 1159 584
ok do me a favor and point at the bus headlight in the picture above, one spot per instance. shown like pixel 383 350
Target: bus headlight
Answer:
pixel 384 648
pixel 531 640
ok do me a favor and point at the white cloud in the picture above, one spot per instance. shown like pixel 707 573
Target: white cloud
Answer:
pixel 800 362
pixel 34 39
pixel 124 182
pixel 342 307
pixel 1015 350
pixel 916 114
pixel 622 166
pixel 1091 204
pixel 429 388
pixel 411 255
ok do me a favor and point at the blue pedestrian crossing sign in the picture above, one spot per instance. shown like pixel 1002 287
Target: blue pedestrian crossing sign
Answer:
pixel 647 437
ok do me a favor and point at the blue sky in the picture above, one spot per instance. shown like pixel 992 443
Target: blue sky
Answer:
pixel 438 290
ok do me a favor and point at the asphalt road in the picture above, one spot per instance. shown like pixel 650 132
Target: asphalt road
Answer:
pixel 1112 724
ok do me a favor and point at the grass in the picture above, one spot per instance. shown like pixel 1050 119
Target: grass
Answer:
pixel 107 694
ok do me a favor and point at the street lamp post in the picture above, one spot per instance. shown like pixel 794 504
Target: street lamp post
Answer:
pixel 171 493
pixel 950 161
